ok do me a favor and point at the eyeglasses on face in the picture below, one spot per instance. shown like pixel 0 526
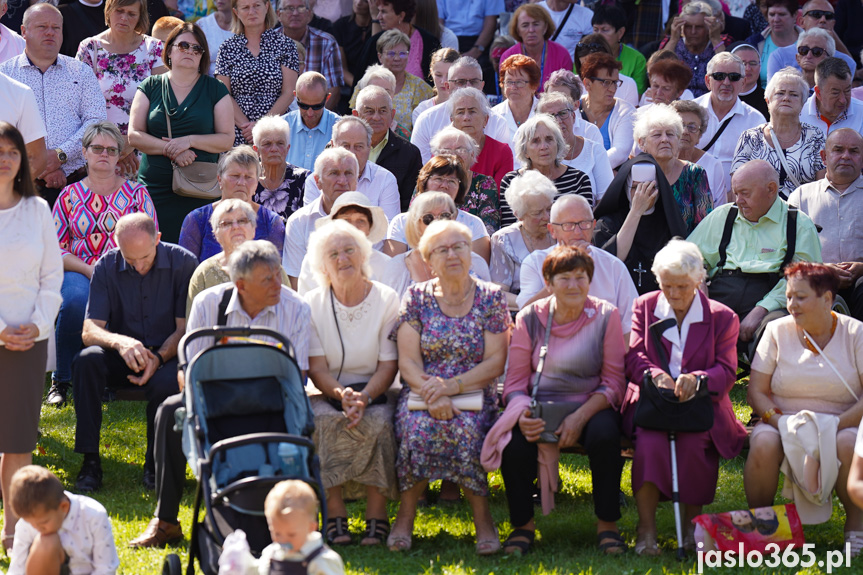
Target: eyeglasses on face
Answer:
pixel 570 226
pixel 112 151
pixel 315 107
pixel 607 83
pixel 817 51
pixel 464 83
pixel 590 47
pixel 228 224
pixel 427 219
pixel 732 76
pixel 692 128
pixel 457 248
pixel 401 54
pixel 562 115
pixel 195 49
pixel 819 14
pixel 440 181
pixel 293 9
pixel 515 83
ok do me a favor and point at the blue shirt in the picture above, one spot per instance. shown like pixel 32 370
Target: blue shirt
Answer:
pixel 787 56
pixel 307 143
pixel 465 17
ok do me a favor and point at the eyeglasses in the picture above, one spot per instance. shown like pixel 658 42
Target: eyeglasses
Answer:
pixel 457 248
pixel 440 181
pixel 570 226
pixel 315 107
pixel 293 9
pixel 692 128
pixel 228 224
pixel 819 14
pixel 515 83
pixel 607 83
pixel 195 49
pixel 461 150
pixel 562 114
pixel 817 51
pixel 112 151
pixel 590 47
pixel 464 83
pixel 402 54
pixel 732 76
pixel 427 219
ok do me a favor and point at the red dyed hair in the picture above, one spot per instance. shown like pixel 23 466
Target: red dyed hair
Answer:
pixel 821 278
pixel 593 63
pixel 520 62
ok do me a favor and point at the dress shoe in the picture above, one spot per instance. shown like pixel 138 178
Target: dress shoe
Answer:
pixel 158 534
pixel 89 478
pixel 58 394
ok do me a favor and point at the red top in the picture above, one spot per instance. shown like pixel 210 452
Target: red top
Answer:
pixel 495 160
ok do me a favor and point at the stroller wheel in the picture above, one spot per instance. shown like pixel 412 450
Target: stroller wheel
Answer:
pixel 172 565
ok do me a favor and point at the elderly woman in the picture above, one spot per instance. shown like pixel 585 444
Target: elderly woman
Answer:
pixel 258 65
pixel 581 153
pixel 568 84
pixel 519 78
pixel 394 53
pixel 281 184
pixel 85 214
pixel 696 35
pixel 31 273
pixel 444 173
pixel 583 365
pixel 408 268
pixel 668 81
pixel 530 196
pixel 481 198
pixel 238 175
pixel 532 28
pixel 812 361
pixel 378 75
pixel 813 47
pixel 637 217
pixel 469 112
pixel 792 147
pixel 353 363
pixel 452 334
pixel 694 119
pixel 540 146
pixel 441 60
pixel 201 126
pixel 121 57
pixel 597 43
pixel 601 76
pixel 356 209
pixel 703 342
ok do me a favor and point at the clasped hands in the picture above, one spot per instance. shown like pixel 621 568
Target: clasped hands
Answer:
pixel 684 388
pixel 178 150
pixel 19 338
pixel 354 405
pixel 568 432
pixel 436 392
pixel 139 359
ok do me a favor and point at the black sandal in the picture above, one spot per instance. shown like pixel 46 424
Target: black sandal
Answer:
pixel 523 547
pixel 614 547
pixel 337 528
pixel 376 530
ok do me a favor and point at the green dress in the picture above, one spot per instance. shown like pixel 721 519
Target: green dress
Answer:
pixel 193 116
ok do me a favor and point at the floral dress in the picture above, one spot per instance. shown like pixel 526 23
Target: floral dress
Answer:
pixel 120 74
pixel 434 449
pixel 482 201
pixel 287 198
pixel 413 93
pixel 692 192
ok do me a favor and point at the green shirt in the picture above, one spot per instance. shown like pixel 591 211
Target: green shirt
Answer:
pixel 757 247
pixel 375 152
pixel 634 66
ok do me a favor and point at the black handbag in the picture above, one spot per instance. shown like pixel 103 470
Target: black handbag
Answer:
pixel 660 410
pixel 552 412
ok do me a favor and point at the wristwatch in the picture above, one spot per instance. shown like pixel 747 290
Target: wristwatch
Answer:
pixel 480 48
pixel 61 155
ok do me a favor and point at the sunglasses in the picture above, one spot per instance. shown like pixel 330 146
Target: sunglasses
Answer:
pixel 195 49
pixel 817 51
pixel 819 14
pixel 732 76
pixel 112 151
pixel 590 47
pixel 427 219
pixel 314 107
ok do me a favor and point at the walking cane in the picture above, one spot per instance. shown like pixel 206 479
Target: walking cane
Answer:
pixel 675 496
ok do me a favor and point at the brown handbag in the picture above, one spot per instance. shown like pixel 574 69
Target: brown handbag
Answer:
pixel 197 180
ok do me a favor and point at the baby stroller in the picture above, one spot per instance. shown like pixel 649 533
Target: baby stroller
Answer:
pixel 247 424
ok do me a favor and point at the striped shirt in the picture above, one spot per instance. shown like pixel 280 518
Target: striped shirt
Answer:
pixel 572 181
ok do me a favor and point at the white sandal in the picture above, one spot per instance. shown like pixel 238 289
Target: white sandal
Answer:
pixel 855 539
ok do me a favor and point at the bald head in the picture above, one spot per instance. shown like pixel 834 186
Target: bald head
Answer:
pixel 756 186
pixel 843 155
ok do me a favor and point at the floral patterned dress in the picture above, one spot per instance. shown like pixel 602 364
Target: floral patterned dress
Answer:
pixel 287 198
pixel 482 201
pixel 433 449
pixel 120 74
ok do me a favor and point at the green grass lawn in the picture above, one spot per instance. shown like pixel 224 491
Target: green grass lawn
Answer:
pixel 443 536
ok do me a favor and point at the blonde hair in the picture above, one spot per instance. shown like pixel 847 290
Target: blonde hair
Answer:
pixel 237 26
pixel 437 228
pixel 291 495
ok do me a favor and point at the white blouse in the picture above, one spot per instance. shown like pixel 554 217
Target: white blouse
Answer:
pixel 503 110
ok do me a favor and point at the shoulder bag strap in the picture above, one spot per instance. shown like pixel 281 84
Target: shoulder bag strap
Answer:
pixel 562 23
pixel 717 134
pixel 790 237
pixel 543 351
pixel 222 318
pixel 830 363
pixel 781 153
pixel 656 329
pixel 726 236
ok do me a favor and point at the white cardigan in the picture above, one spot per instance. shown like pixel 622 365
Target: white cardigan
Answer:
pixel 620 132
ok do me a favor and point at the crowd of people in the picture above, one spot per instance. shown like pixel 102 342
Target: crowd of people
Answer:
pixel 433 200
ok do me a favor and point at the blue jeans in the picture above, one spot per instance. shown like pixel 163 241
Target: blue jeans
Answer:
pixel 75 291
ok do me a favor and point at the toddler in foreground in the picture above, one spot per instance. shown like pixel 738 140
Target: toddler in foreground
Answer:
pixel 59 533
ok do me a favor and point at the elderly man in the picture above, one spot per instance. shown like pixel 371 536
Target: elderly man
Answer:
pixel 747 245
pixel 311 125
pixel 18 107
pixel 255 298
pixel 835 204
pixel 322 51
pixel 469 112
pixel 376 183
pixel 135 318
pixel 831 107
pixel 336 172
pixel 11 43
pixel 389 151
pixel 67 93
pixel 571 224
pixel 813 47
pixel 815 14
pixel 464 72
pixel 727 116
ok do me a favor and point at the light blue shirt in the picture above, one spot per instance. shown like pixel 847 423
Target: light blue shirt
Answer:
pixel 307 143
pixel 465 17
pixel 787 56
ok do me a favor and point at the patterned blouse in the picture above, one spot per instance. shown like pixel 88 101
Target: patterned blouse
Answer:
pixel 482 201
pixel 803 158
pixel 692 192
pixel 413 93
pixel 120 74
pixel 85 220
pixel 287 198
pixel 571 181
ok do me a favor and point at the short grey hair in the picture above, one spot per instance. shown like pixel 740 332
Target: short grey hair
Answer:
pixel 243 155
pixel 318 244
pixel 684 106
pixel 566 79
pixel 379 72
pixel 725 58
pixel 831 68
pixel 715 6
pixel 453 132
pixel 312 78
pixel 679 257
pixel 697 7
pixel 526 132
pixel 464 62
pixel 269 125
pixel 109 129
pixel 529 184
pixel 392 38
pixel 306 3
pixel 335 156
pixel 468 92
pixel 656 116
pixel 136 222
pixel 421 205
pixel 345 121
pixel 439 227
pixel 790 74
pixel 818 33
pixel 567 199
pixel 250 254
pixel 369 93
pixel 549 98
pixel 225 207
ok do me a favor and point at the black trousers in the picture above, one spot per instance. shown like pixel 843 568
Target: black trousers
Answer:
pixel 853 296
pixel 600 438
pixel 93 369
pixel 170 461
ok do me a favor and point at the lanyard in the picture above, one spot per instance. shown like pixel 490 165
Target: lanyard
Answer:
pixel 542 64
